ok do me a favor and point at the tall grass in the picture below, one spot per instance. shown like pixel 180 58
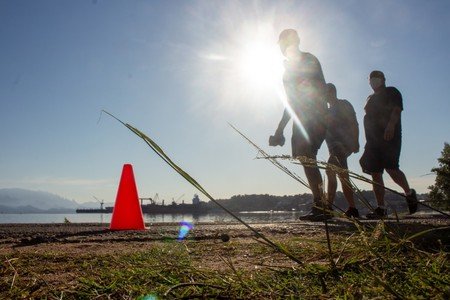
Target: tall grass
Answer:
pixel 160 152
pixel 367 266
pixel 308 162
pixel 377 247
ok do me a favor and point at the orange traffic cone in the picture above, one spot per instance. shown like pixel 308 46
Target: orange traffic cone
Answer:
pixel 127 212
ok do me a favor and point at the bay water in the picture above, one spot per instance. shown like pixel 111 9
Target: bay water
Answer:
pixel 262 216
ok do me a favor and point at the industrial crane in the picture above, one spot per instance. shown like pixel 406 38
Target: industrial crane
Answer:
pixel 101 202
pixel 152 200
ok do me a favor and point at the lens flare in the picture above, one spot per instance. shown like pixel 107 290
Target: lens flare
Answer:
pixel 185 227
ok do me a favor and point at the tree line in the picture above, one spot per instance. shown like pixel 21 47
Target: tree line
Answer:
pixel 300 202
pixel 439 195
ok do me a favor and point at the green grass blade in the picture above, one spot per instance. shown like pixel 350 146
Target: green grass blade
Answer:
pixel 305 161
pixel 416 235
pixel 272 159
pixel 159 151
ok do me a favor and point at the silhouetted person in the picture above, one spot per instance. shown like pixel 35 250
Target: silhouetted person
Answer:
pixel 304 84
pixel 382 125
pixel 342 140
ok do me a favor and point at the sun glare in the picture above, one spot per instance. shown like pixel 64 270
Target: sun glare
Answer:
pixel 260 65
pixel 244 69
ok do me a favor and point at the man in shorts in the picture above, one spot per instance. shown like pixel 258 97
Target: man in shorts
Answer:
pixel 342 140
pixel 304 84
pixel 382 125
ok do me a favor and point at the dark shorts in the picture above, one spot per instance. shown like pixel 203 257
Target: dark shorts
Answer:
pixel 376 159
pixel 301 145
pixel 338 156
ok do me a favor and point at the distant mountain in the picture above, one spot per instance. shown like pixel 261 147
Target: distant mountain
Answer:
pixel 28 201
pixel 19 209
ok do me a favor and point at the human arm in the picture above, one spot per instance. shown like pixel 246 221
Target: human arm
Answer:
pixel 354 131
pixel 320 76
pixel 284 120
pixel 393 120
pixel 395 101
pixel 355 134
pixel 278 138
pixel 319 79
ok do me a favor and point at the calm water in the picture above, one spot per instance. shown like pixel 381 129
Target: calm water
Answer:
pixel 263 216
pixel 167 218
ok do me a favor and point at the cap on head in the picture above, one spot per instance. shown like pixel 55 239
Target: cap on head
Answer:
pixel 288 37
pixel 376 74
pixel 331 87
pixel 331 90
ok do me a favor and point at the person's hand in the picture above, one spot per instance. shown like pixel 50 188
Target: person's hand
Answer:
pixel 389 132
pixel 277 139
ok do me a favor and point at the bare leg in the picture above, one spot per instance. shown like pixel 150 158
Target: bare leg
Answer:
pixel 399 178
pixel 339 160
pixel 347 189
pixel 315 182
pixel 378 188
pixel 332 186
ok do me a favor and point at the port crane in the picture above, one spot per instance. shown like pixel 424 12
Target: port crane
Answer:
pixel 151 200
pixel 174 202
pixel 102 202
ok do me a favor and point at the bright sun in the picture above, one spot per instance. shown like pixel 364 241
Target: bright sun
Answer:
pixel 260 65
pixel 245 71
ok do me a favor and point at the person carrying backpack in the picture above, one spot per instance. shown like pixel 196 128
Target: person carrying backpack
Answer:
pixel 342 140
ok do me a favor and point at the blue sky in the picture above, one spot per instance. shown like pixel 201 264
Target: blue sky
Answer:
pixel 181 70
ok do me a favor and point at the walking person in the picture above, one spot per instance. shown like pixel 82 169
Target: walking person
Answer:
pixel 342 140
pixel 383 130
pixel 304 85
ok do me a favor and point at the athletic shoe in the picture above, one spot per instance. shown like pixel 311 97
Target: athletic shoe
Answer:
pixel 411 199
pixel 378 213
pixel 317 215
pixel 352 212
